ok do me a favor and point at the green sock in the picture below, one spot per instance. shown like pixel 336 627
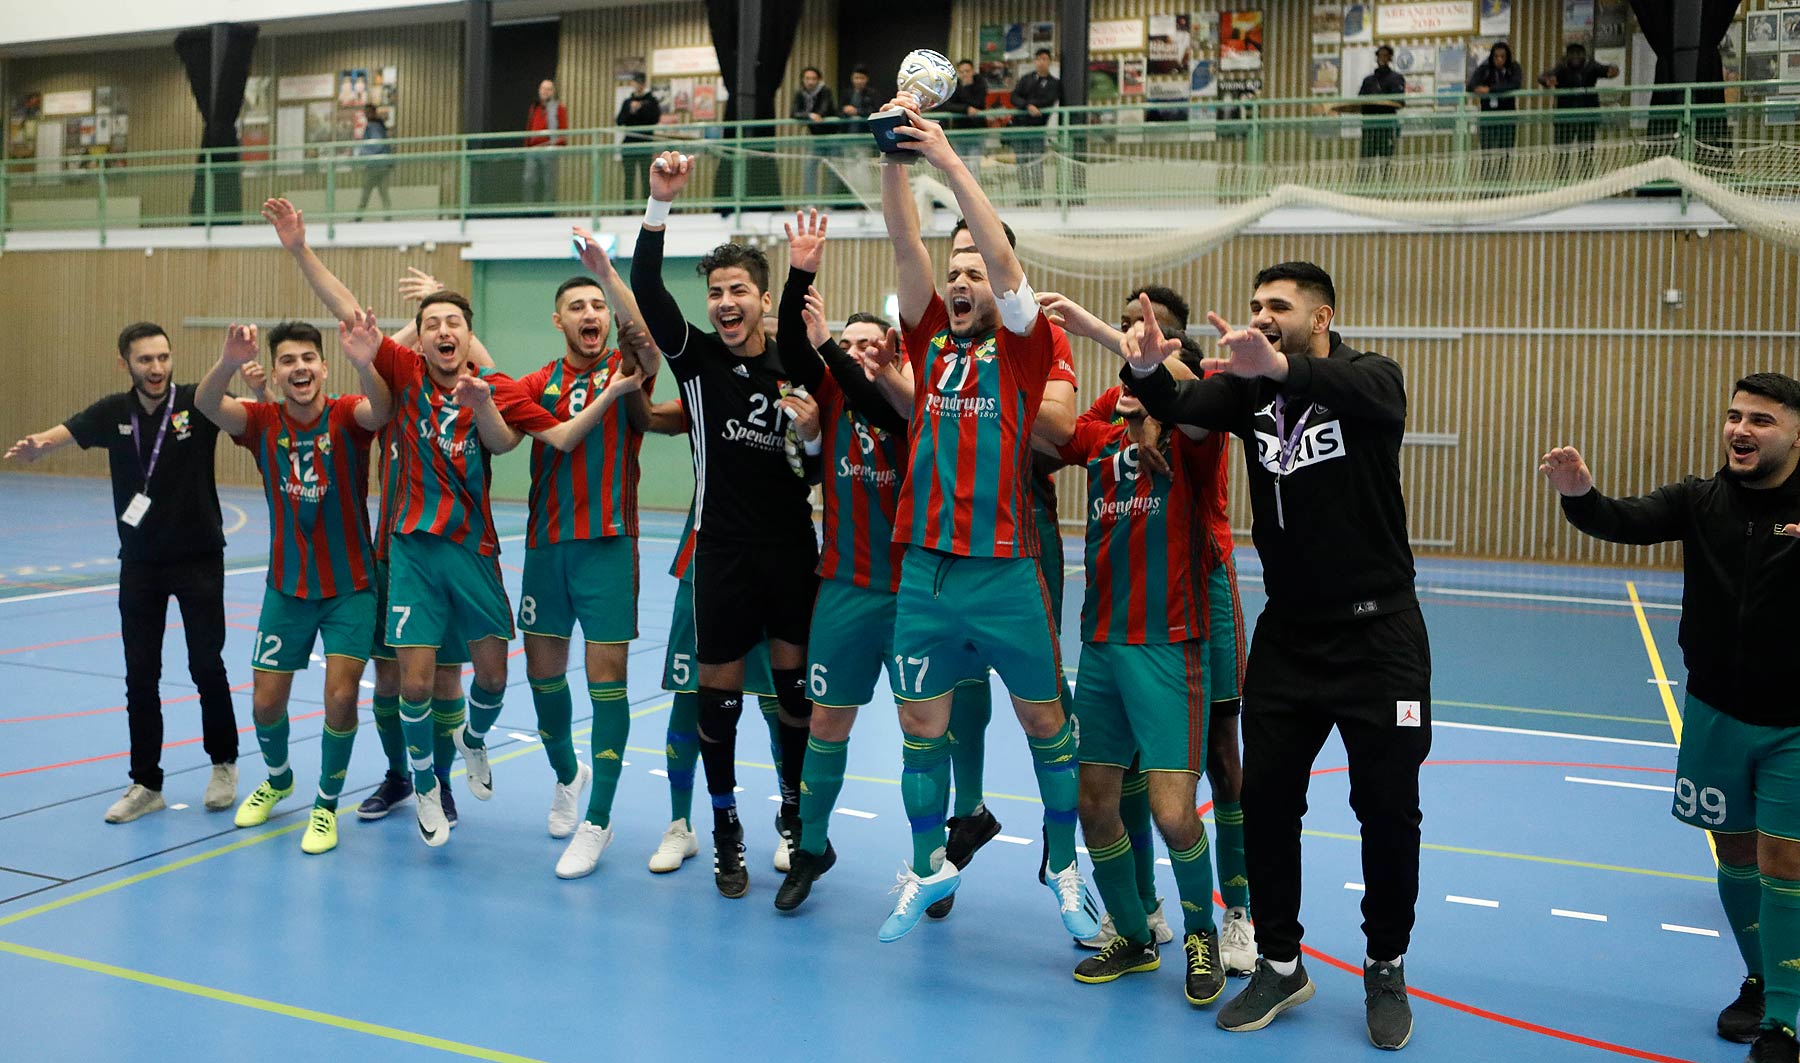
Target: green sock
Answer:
pixel 387 726
pixel 681 750
pixel 923 781
pixel 971 707
pixel 1134 810
pixel 447 717
pixel 1194 882
pixel 612 725
pixel 1780 936
pixel 422 736
pixel 273 738
pixel 821 780
pixel 1115 876
pixel 484 712
pixel 1053 760
pixel 1740 891
pixel 555 716
pixel 1234 877
pixel 334 764
pixel 771 709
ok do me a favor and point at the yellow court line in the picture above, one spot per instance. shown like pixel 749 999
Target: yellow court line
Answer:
pixel 1529 858
pixel 1545 712
pixel 273 1007
pixel 1663 687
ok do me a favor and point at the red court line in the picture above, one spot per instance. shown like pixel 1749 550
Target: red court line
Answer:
pixel 115 708
pixel 127 753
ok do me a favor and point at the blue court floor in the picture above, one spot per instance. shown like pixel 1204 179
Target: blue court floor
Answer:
pixel 1563 914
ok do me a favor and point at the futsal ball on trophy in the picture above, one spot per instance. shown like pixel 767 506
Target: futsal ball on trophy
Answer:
pixel 930 77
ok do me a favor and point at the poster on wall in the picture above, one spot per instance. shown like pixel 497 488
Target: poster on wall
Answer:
pixel 1166 74
pixel 1764 31
pixel 304 87
pixel 1237 86
pixel 1203 41
pixel 321 121
pixel 290 137
pixel 1240 40
pixel 1578 21
pixel 1327 23
pixel 673 62
pixel 1731 52
pixel 353 87
pixel 21 125
pixel 1103 82
pixel 1327 69
pixel 706 100
pixel 1496 18
pixel 77 101
pixel 1131 76
pixel 1613 57
pixel 1610 17
pixel 1790 71
pixel 1790 30
pixel 1116 35
pixel 990 51
pixel 1359 23
pixel 1424 20
pixel 1453 63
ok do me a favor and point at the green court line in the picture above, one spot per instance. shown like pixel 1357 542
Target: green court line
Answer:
pixel 259 1004
pixel 1530 858
pixel 1546 712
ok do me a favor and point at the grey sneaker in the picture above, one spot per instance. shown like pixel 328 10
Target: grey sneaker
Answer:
pixel 1268 995
pixel 137 801
pixel 1390 1013
pixel 221 789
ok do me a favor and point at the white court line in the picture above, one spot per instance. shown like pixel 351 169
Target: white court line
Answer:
pixel 1696 930
pixel 659 771
pixel 1567 914
pixel 1010 840
pixel 773 797
pixel 1552 734
pixel 1357 886
pixel 521 736
pixel 1164 861
pixel 1624 603
pixel 857 812
pixel 1476 901
pixel 1620 785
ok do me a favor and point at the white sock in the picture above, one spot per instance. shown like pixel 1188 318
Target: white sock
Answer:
pixel 1369 961
pixel 1284 967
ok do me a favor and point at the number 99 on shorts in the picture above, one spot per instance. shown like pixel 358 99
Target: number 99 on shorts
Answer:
pixel 1702 805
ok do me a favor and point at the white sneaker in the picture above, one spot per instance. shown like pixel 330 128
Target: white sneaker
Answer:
pixel 1237 943
pixel 1066 885
pixel 221 789
pixel 475 760
pixel 784 854
pixel 565 803
pixel 1159 927
pixel 136 801
pixel 583 853
pixel 678 843
pixel 433 827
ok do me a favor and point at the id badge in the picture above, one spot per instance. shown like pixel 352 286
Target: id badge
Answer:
pixel 134 513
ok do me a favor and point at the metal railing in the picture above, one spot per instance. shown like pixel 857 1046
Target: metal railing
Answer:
pixel 1152 154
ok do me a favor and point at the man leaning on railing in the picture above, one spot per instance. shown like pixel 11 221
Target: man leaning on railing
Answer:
pixel 1577 113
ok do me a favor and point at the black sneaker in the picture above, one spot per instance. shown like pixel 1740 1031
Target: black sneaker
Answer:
pixel 1389 1010
pixel 449 801
pixel 967 835
pixel 1205 975
pixel 1742 1020
pixel 1119 957
pixel 1774 1044
pixel 397 787
pixel 803 870
pixel 1268 995
pixel 729 872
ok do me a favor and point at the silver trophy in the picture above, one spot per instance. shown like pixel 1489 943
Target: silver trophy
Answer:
pixel 930 77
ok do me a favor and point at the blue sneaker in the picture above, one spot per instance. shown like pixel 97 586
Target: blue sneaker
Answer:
pixel 449 802
pixel 916 895
pixel 1072 899
pixel 394 789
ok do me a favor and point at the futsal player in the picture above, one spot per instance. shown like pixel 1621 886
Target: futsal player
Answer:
pixel 312 450
pixel 1342 642
pixel 970 593
pixel 1739 763
pixel 755 553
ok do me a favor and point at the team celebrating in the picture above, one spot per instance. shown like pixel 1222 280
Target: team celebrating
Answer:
pixel 937 562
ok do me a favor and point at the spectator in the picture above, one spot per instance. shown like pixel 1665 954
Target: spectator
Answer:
pixel 1034 96
pixel 380 167
pixel 859 102
pixel 548 118
pixel 640 109
pixel 812 103
pixel 964 107
pixel 1495 81
pixel 1576 71
pixel 1381 131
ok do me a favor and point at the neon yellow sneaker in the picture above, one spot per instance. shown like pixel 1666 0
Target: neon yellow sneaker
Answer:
pixel 254 812
pixel 321 832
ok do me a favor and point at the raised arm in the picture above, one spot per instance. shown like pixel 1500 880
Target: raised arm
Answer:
pixel 1370 386
pixel 416 285
pixel 1653 518
pixel 914 285
pixel 290 229
pixel 1004 272
pixel 38 444
pixel 667 418
pixel 360 340
pixel 477 396
pixel 210 397
pixel 625 309
pixel 567 435
pixel 668 176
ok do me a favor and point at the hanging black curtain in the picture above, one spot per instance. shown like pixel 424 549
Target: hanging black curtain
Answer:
pixel 775 43
pixel 1659 21
pixel 218 82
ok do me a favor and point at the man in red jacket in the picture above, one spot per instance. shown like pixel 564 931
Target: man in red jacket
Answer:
pixel 543 129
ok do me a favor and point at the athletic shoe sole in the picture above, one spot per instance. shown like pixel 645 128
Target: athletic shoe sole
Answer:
pixel 1301 996
pixel 1088 979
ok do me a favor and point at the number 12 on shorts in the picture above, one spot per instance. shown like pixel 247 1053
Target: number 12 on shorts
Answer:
pixel 923 664
pixel 1707 805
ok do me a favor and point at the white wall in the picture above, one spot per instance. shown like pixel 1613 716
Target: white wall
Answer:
pixel 23 22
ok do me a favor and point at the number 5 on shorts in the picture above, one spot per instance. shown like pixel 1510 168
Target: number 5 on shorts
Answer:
pixel 678 669
pixel 923 664
pixel 405 612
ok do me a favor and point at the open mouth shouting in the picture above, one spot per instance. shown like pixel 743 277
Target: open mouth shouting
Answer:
pixel 730 320
pixel 961 305
pixel 591 336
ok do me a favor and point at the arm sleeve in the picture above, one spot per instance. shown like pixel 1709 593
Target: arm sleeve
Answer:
pixel 1090 435
pixel 861 393
pixel 1216 403
pixel 798 109
pixel 256 416
pixel 343 412
pixel 662 317
pixel 1371 386
pixel 517 408
pixel 916 338
pixel 90 425
pixel 391 363
pixel 1103 408
pixel 1653 518
pixel 797 355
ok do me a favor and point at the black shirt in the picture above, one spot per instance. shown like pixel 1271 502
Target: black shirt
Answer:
pixel 974 94
pixel 1739 584
pixel 648 112
pixel 1042 92
pixel 1501 83
pixel 745 488
pixel 1585 76
pixel 809 365
pixel 864 103
pixel 1332 538
pixel 183 520
pixel 1385 81
pixel 818 102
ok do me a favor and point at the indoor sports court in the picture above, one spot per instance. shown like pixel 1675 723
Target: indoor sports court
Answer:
pixel 1589 242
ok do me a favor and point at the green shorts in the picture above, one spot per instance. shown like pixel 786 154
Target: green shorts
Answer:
pixel 1224 633
pixel 287 627
pixel 852 641
pixel 957 616
pixel 1148 702
pixel 441 593
pixel 1735 777
pixel 681 669
pixel 594 581
pixel 454 651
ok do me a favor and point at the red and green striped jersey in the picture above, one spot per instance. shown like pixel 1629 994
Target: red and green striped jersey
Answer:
pixel 1146 535
pixel 387 464
pixel 1043 467
pixel 444 472
pixel 1213 491
pixel 316 481
pixel 684 554
pixel 590 492
pixel 968 482
pixel 862 494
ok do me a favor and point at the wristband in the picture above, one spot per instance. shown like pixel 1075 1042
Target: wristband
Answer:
pixel 656 211
pixel 814 447
pixel 1018 308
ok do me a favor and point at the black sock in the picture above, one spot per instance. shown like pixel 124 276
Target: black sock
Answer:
pixel 718 723
pixel 790 689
